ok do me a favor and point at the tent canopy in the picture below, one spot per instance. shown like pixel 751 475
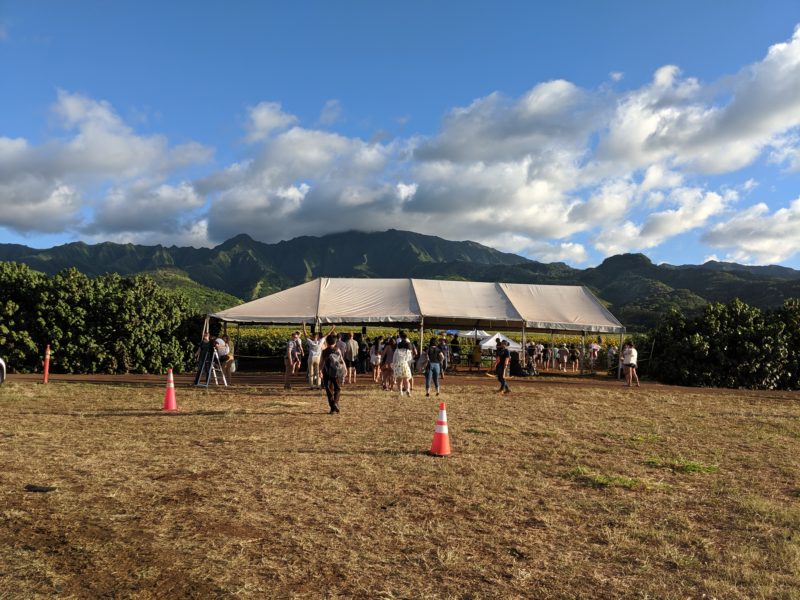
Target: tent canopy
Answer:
pixel 442 304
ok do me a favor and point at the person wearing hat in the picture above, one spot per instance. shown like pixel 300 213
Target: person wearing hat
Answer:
pixel 503 357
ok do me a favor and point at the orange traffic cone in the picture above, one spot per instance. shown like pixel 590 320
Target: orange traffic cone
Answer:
pixel 169 398
pixel 441 439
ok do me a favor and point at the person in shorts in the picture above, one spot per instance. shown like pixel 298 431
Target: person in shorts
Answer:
pixel 350 357
pixel 291 359
pixel 629 358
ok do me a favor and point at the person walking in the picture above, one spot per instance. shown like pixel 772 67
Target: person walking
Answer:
pixel 375 352
pixel 433 370
pixel 333 369
pixel 350 357
pixel 503 357
pixel 401 365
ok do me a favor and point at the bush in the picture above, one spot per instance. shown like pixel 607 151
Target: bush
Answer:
pixel 730 345
pixel 110 324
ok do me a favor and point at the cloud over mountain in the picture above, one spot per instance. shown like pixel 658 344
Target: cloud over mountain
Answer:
pixel 560 172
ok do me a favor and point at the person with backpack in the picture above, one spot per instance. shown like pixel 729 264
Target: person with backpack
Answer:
pixel 333 370
pixel 434 368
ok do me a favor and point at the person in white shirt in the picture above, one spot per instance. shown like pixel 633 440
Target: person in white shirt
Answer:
pixel 629 358
pixel 316 344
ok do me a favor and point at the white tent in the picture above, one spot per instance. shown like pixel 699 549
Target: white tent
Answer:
pixel 431 303
pixel 490 343
pixel 473 334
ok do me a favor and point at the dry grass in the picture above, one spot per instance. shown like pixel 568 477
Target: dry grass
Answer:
pixel 557 491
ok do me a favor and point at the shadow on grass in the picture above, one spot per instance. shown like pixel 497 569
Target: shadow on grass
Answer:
pixel 133 412
pixel 385 452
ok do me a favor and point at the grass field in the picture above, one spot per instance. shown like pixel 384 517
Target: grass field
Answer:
pixel 560 490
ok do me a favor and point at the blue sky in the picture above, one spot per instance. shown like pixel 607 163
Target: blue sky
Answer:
pixel 561 131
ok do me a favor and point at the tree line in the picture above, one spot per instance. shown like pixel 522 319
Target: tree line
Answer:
pixel 729 345
pixel 115 324
pixel 106 324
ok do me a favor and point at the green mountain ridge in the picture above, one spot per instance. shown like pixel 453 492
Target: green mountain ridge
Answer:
pixel 635 289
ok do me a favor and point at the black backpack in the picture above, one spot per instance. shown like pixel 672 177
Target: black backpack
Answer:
pixel 333 368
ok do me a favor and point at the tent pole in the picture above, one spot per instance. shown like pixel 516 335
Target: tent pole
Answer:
pixel 524 349
pixel 552 347
pixel 583 350
pixel 421 333
pixel 619 358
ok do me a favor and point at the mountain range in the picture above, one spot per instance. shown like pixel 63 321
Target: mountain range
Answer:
pixel 636 291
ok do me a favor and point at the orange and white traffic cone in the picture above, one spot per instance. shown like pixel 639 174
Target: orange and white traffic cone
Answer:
pixel 169 399
pixel 441 438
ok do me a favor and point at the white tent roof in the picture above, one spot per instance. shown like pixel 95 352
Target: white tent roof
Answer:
pixel 472 334
pixel 490 343
pixel 447 304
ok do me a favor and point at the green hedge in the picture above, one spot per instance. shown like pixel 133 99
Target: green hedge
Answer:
pixel 109 324
pixel 729 345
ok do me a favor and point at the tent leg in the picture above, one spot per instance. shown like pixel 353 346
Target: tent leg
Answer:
pixel 552 348
pixel 583 351
pixel 619 358
pixel 421 334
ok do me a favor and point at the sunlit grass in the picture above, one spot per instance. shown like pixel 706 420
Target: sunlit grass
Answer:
pixel 557 491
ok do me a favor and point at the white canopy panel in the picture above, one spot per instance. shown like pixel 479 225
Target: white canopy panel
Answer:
pixel 367 301
pixel 448 304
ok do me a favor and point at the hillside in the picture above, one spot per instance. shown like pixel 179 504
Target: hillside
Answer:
pixel 636 290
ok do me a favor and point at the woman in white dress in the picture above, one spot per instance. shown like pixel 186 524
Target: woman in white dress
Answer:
pixel 401 366
pixel 375 352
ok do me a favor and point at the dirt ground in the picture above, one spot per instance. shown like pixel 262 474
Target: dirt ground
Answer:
pixel 568 488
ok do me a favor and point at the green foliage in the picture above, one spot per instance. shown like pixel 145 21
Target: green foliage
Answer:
pixel 585 476
pixel 203 300
pixel 730 345
pixel 109 324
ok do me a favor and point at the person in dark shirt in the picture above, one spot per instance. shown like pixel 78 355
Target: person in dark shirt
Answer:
pixel 331 379
pixel 202 356
pixel 503 356
pixel 455 351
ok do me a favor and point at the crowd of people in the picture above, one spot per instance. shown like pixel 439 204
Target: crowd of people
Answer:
pixel 334 360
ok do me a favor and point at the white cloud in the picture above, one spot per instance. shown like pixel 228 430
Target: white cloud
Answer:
pixel 656 176
pixel 265 118
pixel 755 234
pixel 32 205
pixel 625 170
pixel 693 208
pixel 142 208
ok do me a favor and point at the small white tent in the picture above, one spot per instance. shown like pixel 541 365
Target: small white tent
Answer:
pixel 474 334
pixel 490 343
